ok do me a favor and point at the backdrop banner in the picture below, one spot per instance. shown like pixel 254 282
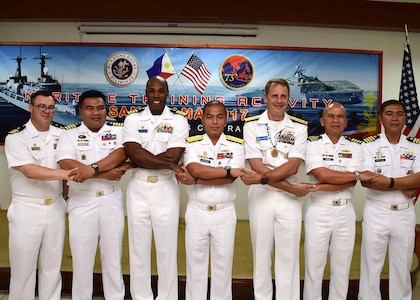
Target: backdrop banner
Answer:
pixel 196 74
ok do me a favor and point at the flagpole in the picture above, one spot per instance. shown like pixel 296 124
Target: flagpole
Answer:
pixel 179 75
pixel 406 33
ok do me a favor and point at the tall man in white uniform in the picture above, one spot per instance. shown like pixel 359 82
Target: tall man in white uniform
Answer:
pixel 389 218
pixel 275 146
pixel 96 211
pixel 154 139
pixel 213 163
pixel 333 163
pixel 37 213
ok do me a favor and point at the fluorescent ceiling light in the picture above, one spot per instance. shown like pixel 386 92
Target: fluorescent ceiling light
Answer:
pixel 169 30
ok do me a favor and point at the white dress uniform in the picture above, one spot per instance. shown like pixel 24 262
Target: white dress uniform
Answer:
pixel 275 216
pixel 211 219
pixel 36 216
pixel 96 212
pixel 330 218
pixel 153 204
pixel 388 219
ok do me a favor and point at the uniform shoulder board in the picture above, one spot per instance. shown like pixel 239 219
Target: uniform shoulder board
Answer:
pixel 354 140
pixel 413 140
pixel 133 111
pixel 294 119
pixel 71 126
pixel 371 138
pixel 313 138
pixel 178 112
pixel 234 139
pixel 254 118
pixel 58 125
pixel 195 138
pixel 16 130
pixel 114 123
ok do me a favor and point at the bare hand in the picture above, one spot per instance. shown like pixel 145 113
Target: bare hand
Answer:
pixel 125 166
pixel 410 193
pixel 185 177
pixel 378 182
pixel 236 172
pixel 69 174
pixel 302 189
pixel 84 173
pixel 367 175
pixel 176 168
pixel 113 174
pixel 250 176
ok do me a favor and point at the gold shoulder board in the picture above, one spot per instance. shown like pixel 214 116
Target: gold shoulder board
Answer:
pixel 195 138
pixel 254 118
pixel 234 139
pixel 294 119
pixel 313 138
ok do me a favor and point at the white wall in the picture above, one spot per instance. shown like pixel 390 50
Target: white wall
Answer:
pixel 390 43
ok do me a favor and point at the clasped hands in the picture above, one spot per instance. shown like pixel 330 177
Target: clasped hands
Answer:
pixel 85 172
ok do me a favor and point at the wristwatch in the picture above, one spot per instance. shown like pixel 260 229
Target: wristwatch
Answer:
pixel 95 167
pixel 228 168
pixel 357 173
pixel 264 179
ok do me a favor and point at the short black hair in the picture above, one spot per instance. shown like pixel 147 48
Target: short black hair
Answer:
pixel 91 94
pixel 211 103
pixel 41 93
pixel 385 104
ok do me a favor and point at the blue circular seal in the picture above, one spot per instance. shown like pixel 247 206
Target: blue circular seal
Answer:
pixel 236 72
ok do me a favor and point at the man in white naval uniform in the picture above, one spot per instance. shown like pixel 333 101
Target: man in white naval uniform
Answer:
pixel 275 145
pixel 37 213
pixel 96 211
pixel 389 218
pixel 213 163
pixel 154 139
pixel 333 163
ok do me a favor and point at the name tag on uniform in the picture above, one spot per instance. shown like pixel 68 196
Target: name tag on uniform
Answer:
pixel 262 138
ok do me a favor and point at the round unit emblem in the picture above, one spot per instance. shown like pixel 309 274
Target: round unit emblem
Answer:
pixel 121 69
pixel 236 72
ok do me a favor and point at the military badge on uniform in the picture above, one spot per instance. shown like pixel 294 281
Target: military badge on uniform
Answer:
pixel 143 130
pixel 379 157
pixel 165 128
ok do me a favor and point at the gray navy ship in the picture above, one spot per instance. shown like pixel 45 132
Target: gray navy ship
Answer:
pixel 311 87
pixel 17 90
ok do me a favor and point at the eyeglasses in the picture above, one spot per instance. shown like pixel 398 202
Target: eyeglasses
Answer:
pixel 43 107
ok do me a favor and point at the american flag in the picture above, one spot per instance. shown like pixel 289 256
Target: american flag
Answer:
pixel 408 95
pixel 196 71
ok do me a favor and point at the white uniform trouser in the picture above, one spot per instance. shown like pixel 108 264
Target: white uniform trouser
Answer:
pixel 328 229
pixel 215 231
pixel 275 217
pixel 36 229
pixel 91 219
pixel 153 206
pixel 384 229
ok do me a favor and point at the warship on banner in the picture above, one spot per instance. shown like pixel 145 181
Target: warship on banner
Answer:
pixel 17 87
pixel 311 87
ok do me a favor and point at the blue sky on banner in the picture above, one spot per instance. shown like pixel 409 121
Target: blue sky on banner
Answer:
pixel 85 64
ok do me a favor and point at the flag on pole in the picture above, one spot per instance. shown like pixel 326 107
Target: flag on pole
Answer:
pixel 162 67
pixel 196 71
pixel 408 96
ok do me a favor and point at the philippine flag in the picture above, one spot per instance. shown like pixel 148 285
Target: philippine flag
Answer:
pixel 162 67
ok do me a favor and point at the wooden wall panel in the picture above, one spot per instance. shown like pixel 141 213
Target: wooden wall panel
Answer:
pixel 359 14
